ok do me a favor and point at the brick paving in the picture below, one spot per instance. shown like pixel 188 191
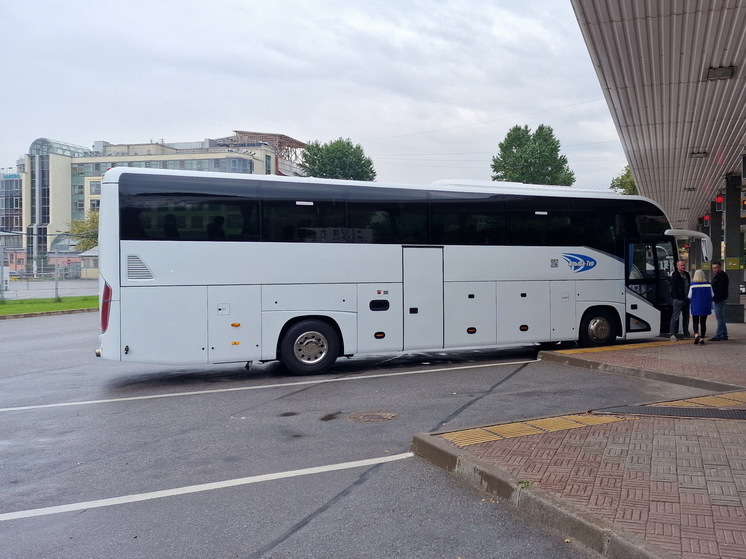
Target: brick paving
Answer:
pixel 678 483
pixel 717 361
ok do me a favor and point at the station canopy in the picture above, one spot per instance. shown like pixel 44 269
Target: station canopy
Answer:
pixel 673 76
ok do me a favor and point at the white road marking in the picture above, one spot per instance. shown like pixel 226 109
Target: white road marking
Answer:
pixel 198 488
pixel 262 387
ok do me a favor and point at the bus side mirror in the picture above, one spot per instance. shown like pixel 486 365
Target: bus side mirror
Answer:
pixel 705 250
pixel 687 234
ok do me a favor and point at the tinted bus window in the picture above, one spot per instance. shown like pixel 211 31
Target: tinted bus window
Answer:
pixel 161 207
pixel 539 220
pixel 186 208
pixel 597 224
pixel 295 213
pixel 468 219
pixel 389 215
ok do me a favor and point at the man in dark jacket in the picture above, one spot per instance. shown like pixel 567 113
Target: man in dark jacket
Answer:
pixel 719 296
pixel 680 281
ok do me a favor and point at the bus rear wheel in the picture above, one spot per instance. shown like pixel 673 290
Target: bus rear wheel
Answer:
pixel 309 347
pixel 598 328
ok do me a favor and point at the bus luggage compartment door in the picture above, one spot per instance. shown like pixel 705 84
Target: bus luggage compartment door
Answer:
pixel 423 298
pixel 234 323
pixel 164 324
pixel 522 312
pixel 562 311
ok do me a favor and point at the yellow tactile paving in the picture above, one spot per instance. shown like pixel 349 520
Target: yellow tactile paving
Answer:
pixel 589 349
pixel 470 437
pixel 737 396
pixel 594 419
pixel 714 401
pixel 514 429
pixel 510 430
pixel 617 347
pixel 551 424
pixel 681 404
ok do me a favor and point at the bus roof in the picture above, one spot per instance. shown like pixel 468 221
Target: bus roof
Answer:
pixel 448 185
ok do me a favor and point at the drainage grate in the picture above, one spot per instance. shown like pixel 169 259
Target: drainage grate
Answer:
pixel 710 413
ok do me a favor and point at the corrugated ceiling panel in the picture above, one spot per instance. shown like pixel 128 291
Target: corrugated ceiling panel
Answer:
pixel 652 57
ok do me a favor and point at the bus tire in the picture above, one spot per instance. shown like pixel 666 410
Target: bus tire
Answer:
pixel 309 347
pixel 598 328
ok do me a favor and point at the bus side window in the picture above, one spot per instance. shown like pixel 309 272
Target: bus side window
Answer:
pixel 131 225
pixel 215 229
pixel 410 223
pixel 249 221
pixel 372 219
pixel 170 227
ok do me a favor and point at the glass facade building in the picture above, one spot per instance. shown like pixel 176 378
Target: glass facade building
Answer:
pixel 57 182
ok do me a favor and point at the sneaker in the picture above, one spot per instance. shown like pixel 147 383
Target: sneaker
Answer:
pixel 696 339
pixel 687 336
pixel 674 339
pixel 725 339
pixel 702 342
pixel 715 339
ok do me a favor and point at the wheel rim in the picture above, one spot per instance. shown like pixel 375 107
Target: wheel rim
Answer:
pixel 599 329
pixel 310 347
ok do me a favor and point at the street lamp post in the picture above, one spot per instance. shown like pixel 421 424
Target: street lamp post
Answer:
pixel 2 270
pixel 56 274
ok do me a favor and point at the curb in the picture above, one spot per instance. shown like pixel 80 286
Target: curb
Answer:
pixel 49 313
pixel 660 376
pixel 593 532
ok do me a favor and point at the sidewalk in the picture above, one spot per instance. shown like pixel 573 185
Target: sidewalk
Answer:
pixel 657 480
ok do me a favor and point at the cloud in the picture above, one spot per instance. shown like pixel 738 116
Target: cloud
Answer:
pixel 429 88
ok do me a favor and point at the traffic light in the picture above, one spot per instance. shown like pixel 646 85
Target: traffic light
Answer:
pixel 706 220
pixel 719 203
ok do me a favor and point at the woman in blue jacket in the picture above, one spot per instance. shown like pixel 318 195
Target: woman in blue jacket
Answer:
pixel 700 295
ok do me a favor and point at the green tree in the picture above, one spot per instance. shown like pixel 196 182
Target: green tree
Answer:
pixel 625 182
pixel 339 159
pixel 85 231
pixel 531 158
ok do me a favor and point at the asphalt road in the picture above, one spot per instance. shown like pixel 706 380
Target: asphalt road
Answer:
pixel 102 459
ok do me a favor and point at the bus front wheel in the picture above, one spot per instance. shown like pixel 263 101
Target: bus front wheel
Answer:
pixel 309 347
pixel 597 328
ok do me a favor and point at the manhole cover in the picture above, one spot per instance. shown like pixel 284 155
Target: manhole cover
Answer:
pixel 372 416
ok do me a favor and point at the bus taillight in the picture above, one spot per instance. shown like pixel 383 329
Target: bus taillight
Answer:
pixel 105 307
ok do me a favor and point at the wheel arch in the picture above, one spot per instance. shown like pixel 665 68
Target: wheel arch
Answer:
pixel 610 310
pixel 300 318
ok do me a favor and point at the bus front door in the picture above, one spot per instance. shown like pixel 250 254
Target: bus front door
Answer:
pixel 648 267
pixel 423 298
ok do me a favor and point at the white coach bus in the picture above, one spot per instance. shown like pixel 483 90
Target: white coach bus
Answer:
pixel 218 268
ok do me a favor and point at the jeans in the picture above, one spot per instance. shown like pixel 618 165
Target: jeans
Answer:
pixel 722 329
pixel 680 308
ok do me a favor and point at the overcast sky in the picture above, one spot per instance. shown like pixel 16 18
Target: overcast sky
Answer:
pixel 429 88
